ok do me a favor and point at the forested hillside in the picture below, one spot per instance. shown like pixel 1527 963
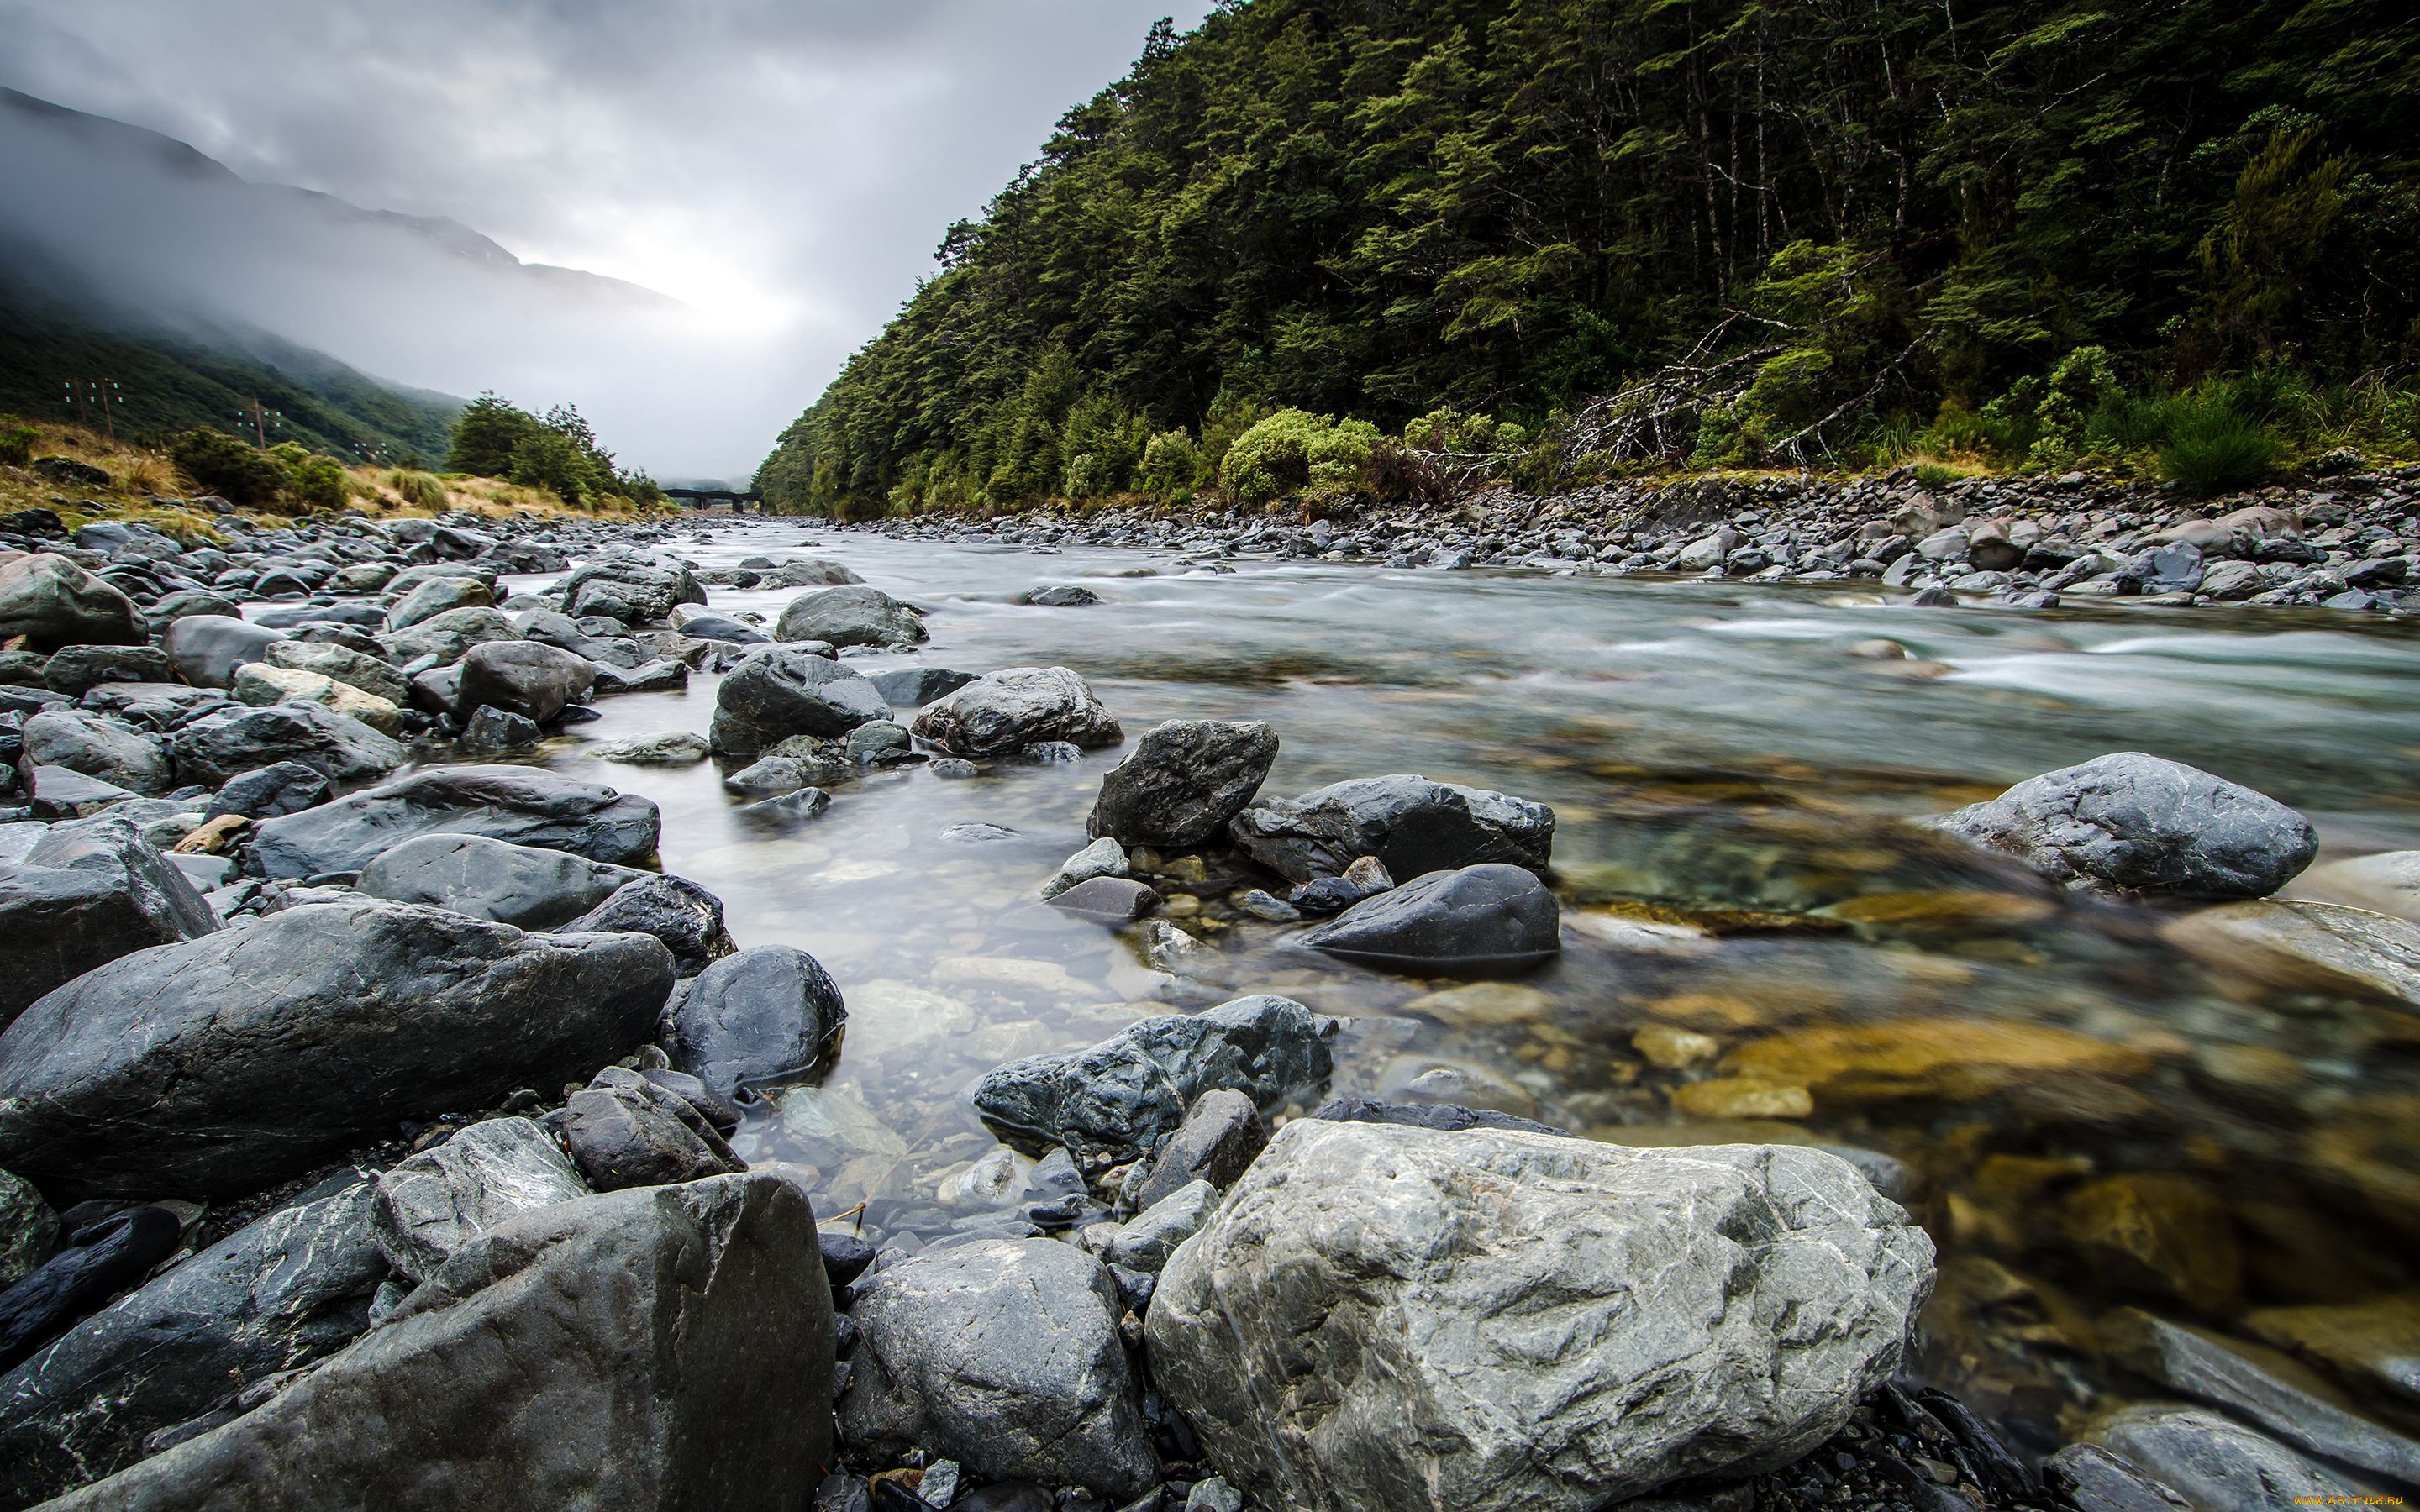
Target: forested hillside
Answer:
pixel 1827 230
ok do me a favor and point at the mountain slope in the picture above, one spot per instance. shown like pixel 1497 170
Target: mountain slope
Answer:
pixel 1834 218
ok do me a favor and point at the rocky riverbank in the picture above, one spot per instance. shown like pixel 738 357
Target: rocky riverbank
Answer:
pixel 372 1108
pixel 2350 545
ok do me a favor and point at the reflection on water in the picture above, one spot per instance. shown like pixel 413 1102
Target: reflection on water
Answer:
pixel 1757 946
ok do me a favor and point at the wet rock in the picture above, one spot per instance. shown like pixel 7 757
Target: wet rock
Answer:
pixel 878 743
pixel 912 687
pixel 704 624
pixel 1120 1095
pixel 851 616
pixel 1183 782
pixel 86 894
pixel 29 1230
pixel 525 886
pixel 277 1295
pixel 488 1173
pixel 63 793
pixel 207 649
pixel 447 637
pixel 1065 595
pixel 630 590
pixel 489 731
pixel 98 748
pixel 789 809
pixel 1487 1285
pixel 778 691
pixel 260 684
pixel 2092 1479
pixel 2216 1464
pixel 1104 857
pixel 1483 920
pixel 772 774
pixel 1411 825
pixel 757 1016
pixel 1003 1356
pixel 101 1260
pixel 432 596
pixel 2305 946
pixel 51 602
pixel 137 1077
pixel 523 677
pixel 623 1130
pixel 1145 1243
pixel 1221 1134
pixel 521 804
pixel 348 752
pixel 657 676
pixel 2208 1370
pixel 686 917
pixel 1008 711
pixel 342 664
pixel 1110 900
pixel 677 747
pixel 2157 1232
pixel 2133 823
pixel 75 671
pixel 700 1377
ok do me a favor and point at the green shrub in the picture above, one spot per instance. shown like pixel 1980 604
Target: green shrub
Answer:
pixel 1450 430
pixel 1172 465
pixel 2081 381
pixel 319 482
pixel 418 490
pixel 2214 445
pixel 1089 475
pixel 17 446
pixel 1292 450
pixel 232 468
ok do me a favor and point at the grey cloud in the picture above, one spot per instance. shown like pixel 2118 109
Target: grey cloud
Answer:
pixel 783 168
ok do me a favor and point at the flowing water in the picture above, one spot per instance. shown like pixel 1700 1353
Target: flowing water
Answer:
pixel 1758 942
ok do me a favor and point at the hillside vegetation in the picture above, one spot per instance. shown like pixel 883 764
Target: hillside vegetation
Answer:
pixel 1424 242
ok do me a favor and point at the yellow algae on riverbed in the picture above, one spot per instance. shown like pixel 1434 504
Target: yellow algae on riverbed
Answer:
pixel 1939 1058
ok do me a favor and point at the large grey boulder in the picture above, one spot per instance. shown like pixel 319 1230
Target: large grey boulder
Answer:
pixel 529 887
pixel 536 681
pixel 348 752
pixel 448 637
pixel 1384 1316
pixel 277 1294
pixel 1003 1356
pixel 525 805
pixel 850 616
pixel 341 663
pixel 912 687
pixel 777 691
pixel 1183 782
pixel 1411 825
pixel 664 1349
pixel 432 596
pixel 1491 921
pixel 1120 1095
pixel 87 893
pixel 1003 712
pixel 208 648
pixel 630 589
pixel 221 1065
pixel 51 602
pixel 686 917
pixel 764 1014
pixel 76 671
pixel 1223 1132
pixel 2129 822
pixel 488 1173
pixel 2217 1463
pixel 96 747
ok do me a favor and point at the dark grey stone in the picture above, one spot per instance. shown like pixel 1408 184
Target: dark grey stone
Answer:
pixel 277 1294
pixel 686 917
pixel 1120 1095
pixel 698 1378
pixel 777 691
pixel 1110 900
pixel 76 670
pixel 1009 711
pixel 1480 922
pixel 2092 1479
pixel 793 808
pixel 855 615
pixel 139 1076
pixel 521 804
pixel 756 1016
pixel 101 1260
pixel 2138 824
pixel 208 648
pixel 624 1130
pixel 160 707
pixel 489 731
pixel 912 687
pixel 432 596
pixel 96 746
pixel 522 677
pixel 1004 1356
pixel 1221 1133
pixel 1411 825
pixel 706 626
pixel 432 1203
pixel 658 676
pixel 2216 1463
pixel 529 887
pixel 1447 1116
pixel 86 894
pixel 215 748
pixel 1065 595
pixel 63 793
pixel 51 602
pixel 1183 782
pixel 268 792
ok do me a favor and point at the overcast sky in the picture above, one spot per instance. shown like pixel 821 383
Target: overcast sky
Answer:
pixel 785 166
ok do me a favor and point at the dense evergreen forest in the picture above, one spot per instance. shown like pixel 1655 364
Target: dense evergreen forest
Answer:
pixel 1564 239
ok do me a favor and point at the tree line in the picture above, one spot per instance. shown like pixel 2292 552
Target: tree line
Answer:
pixel 1641 233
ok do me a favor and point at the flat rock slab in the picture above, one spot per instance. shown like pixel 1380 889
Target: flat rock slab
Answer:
pixel 1491 921
pixel 525 886
pixel 1411 825
pixel 520 804
pixel 227 1063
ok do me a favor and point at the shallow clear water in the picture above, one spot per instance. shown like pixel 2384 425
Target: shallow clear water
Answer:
pixel 1716 752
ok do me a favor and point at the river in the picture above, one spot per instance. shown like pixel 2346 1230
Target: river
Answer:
pixel 1758 942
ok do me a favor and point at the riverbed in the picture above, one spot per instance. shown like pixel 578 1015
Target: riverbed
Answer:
pixel 1762 941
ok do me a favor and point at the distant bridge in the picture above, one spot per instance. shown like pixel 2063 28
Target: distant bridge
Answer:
pixel 738 500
